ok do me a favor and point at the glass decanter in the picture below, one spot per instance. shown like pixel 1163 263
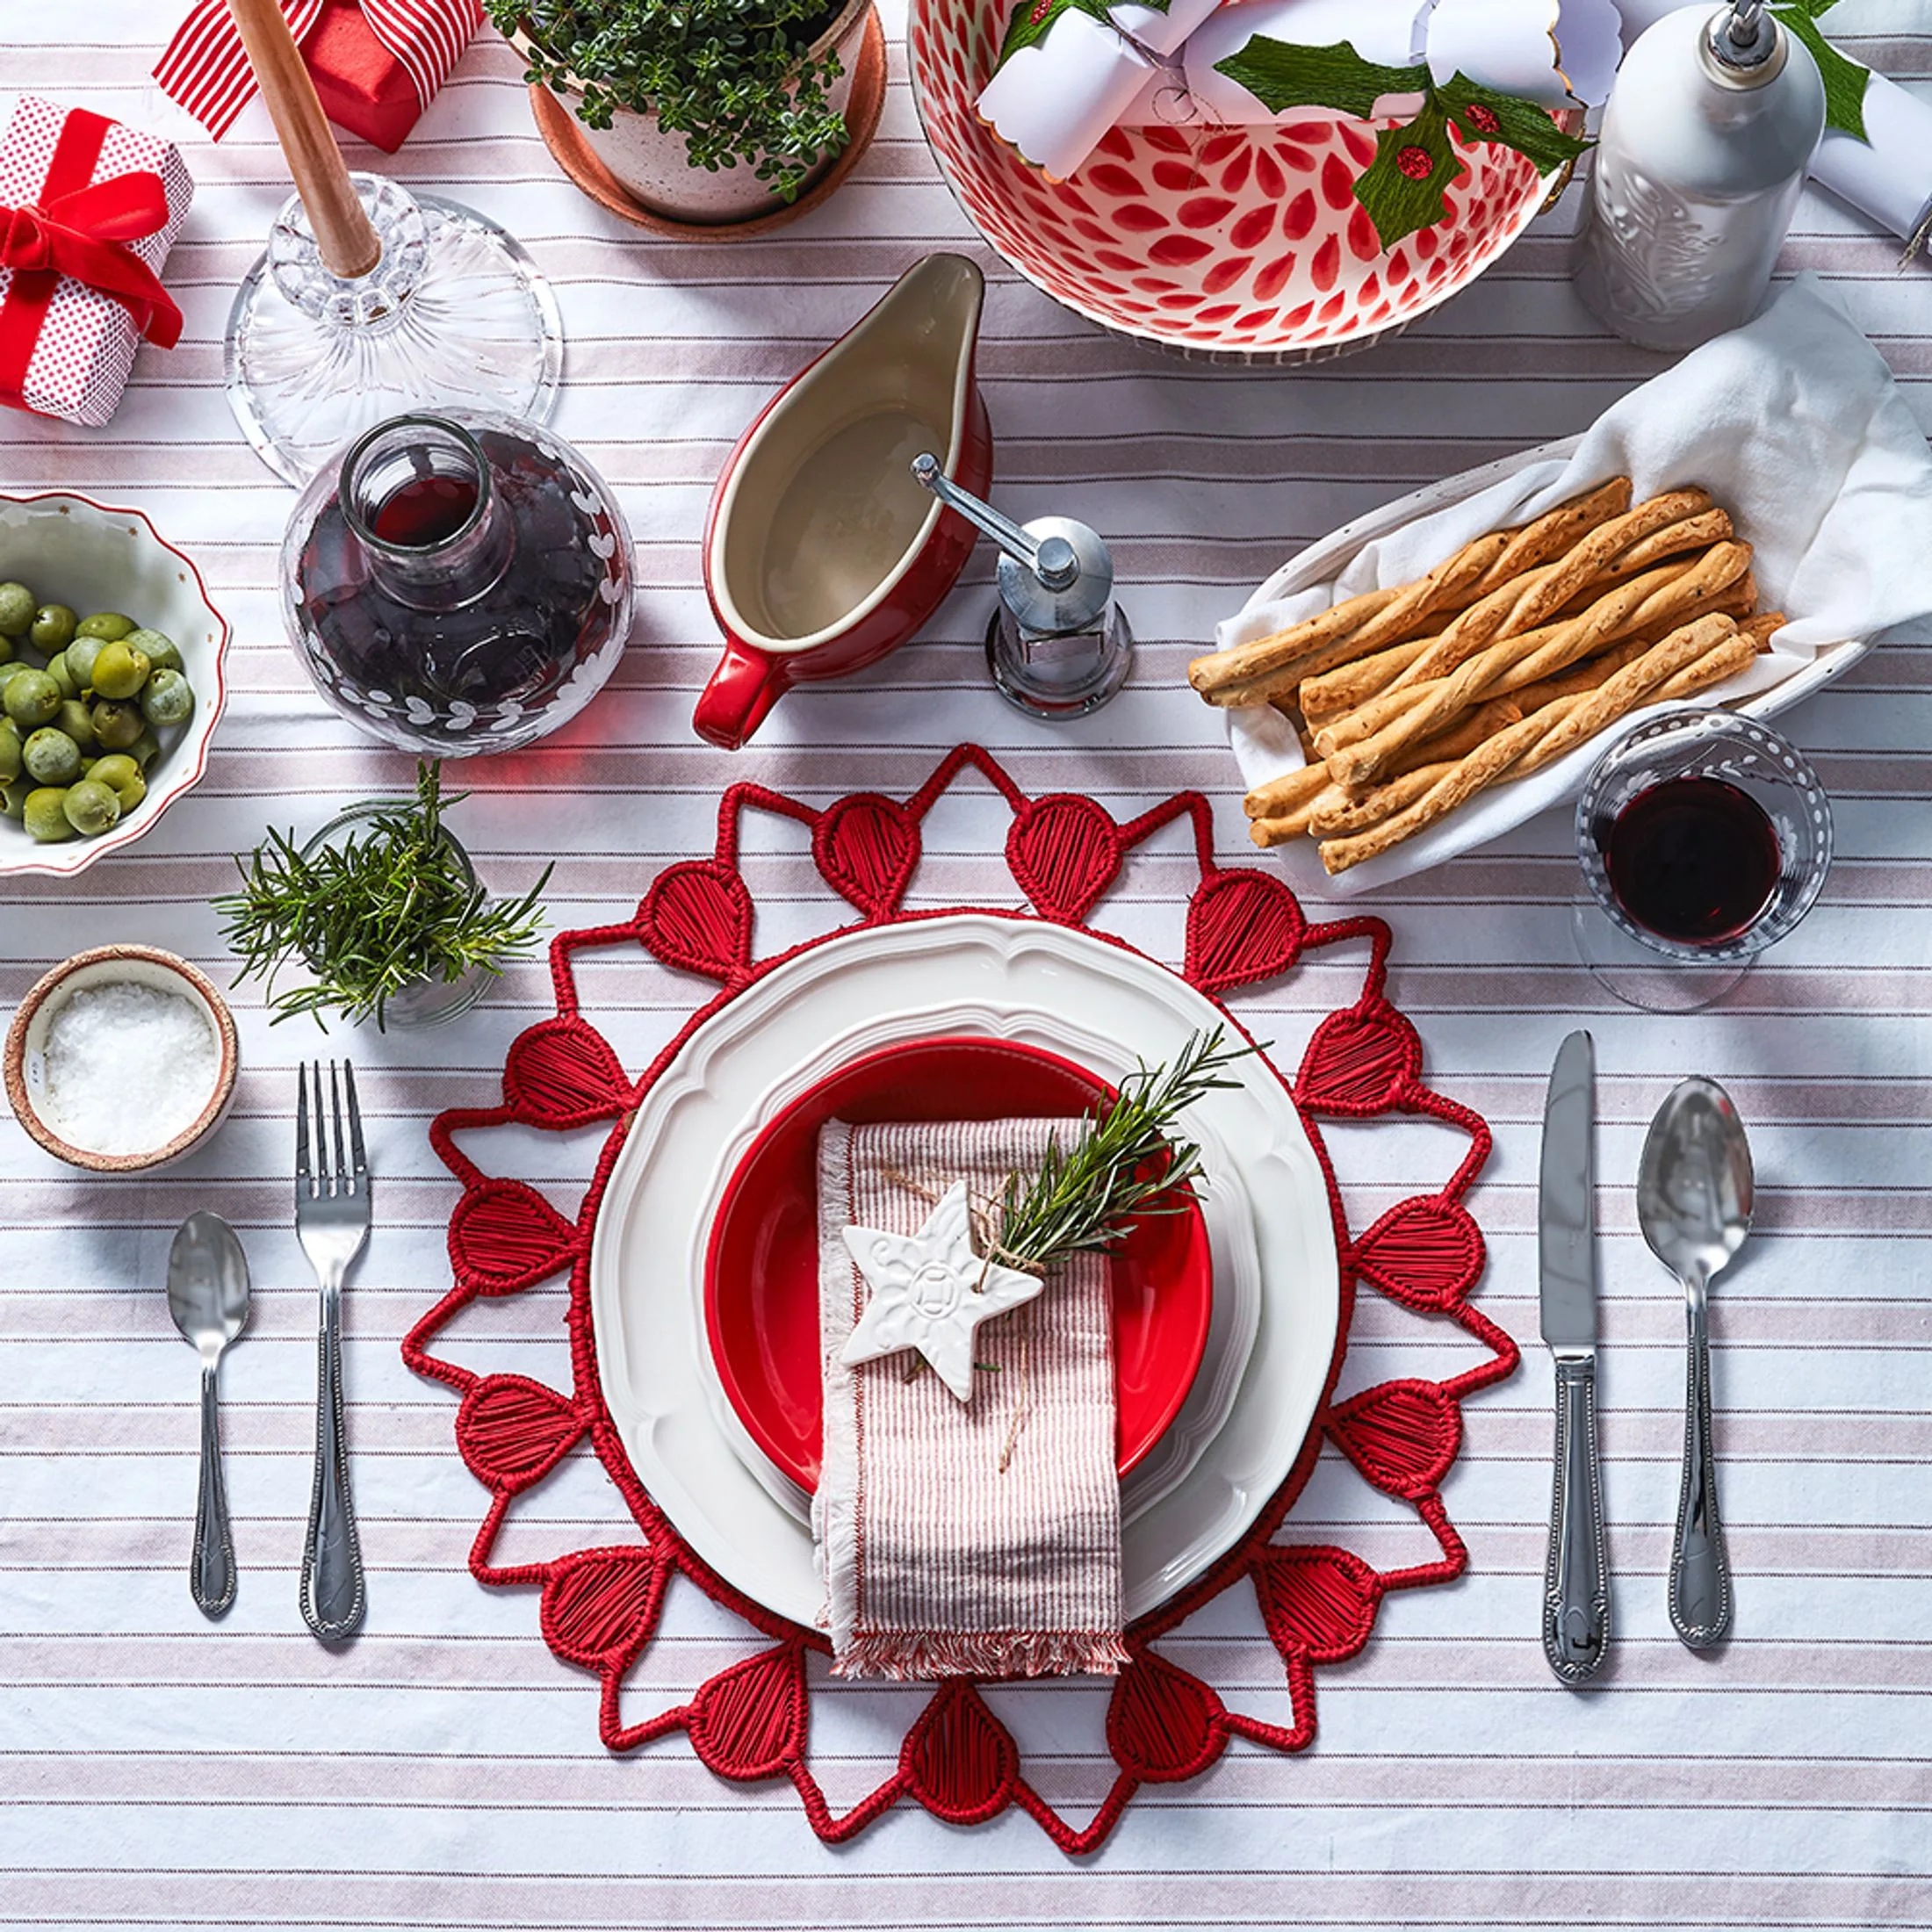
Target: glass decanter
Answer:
pixel 458 583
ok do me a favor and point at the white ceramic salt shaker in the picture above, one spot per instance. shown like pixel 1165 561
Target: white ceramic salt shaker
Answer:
pixel 1705 141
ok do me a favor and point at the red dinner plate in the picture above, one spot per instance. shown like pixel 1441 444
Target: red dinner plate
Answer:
pixel 761 1268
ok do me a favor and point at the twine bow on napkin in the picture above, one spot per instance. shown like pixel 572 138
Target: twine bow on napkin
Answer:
pixel 84 234
pixel 206 71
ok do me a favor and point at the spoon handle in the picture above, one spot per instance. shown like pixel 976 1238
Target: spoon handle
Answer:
pixel 1700 1577
pixel 211 1578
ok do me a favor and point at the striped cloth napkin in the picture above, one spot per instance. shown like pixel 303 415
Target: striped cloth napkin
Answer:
pixel 981 1537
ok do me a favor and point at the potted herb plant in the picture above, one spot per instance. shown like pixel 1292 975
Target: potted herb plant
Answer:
pixel 708 111
pixel 383 911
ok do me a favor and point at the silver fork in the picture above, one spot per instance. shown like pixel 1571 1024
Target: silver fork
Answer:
pixel 332 1224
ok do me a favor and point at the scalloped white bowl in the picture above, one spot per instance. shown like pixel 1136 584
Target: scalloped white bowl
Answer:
pixel 68 549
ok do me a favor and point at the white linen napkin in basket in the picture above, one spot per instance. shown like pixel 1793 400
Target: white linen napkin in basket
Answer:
pixel 981 1537
pixel 1793 423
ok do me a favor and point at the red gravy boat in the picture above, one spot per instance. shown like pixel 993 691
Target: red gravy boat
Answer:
pixel 821 550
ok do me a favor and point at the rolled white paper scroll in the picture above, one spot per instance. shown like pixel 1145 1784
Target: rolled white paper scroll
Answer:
pixel 1512 45
pixel 1053 100
pixel 1890 179
pixel 1529 50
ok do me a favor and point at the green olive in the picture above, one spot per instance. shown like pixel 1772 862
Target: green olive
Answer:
pixel 57 669
pixel 145 750
pixel 108 624
pixel 122 777
pixel 52 628
pixel 162 653
pixel 116 724
pixel 79 659
pixel 51 757
pixel 10 750
pixel 16 610
pixel 92 809
pixel 30 699
pixel 46 821
pixel 119 671
pixel 13 798
pixel 77 722
pixel 169 699
pixel 6 650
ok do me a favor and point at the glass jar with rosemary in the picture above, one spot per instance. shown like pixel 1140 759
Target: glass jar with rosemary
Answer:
pixel 383 911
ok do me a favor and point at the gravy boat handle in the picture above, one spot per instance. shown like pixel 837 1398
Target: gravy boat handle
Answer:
pixel 743 689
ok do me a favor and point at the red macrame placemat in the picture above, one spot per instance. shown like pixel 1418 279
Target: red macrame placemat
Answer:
pixel 599 1607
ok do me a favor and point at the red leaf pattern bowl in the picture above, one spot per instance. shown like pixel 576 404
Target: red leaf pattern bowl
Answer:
pixel 1222 244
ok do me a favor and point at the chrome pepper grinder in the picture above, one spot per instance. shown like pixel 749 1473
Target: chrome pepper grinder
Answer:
pixel 1058 646
pixel 1706 137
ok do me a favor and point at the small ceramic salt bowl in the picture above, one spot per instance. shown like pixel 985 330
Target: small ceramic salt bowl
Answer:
pixel 25 1059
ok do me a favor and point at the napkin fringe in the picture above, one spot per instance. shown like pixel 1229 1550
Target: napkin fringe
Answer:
pixel 916 1655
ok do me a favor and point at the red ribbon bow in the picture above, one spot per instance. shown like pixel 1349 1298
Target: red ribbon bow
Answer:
pixel 205 70
pixel 85 234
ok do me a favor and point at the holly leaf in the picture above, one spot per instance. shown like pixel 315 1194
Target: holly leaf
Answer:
pixel 1845 81
pixel 1281 76
pixel 1404 188
pixel 1481 113
pixel 1032 18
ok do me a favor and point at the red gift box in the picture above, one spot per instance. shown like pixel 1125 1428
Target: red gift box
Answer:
pixel 376 64
pixel 361 84
pixel 89 209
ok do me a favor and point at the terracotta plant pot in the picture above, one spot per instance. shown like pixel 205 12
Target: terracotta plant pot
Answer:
pixel 653 164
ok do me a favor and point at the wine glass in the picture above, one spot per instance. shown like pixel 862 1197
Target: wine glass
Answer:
pixel 1704 838
pixel 371 302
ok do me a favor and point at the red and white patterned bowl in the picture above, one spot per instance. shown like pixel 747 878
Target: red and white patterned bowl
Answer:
pixel 1222 244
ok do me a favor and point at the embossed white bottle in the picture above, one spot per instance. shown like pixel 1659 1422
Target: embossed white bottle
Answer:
pixel 1705 141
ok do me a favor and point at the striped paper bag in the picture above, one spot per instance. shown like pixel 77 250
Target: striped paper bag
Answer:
pixel 981 1537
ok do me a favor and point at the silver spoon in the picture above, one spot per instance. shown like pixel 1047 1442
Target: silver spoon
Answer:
pixel 208 1297
pixel 1694 1205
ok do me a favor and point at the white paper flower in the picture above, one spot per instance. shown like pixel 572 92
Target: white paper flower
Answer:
pixel 1555 52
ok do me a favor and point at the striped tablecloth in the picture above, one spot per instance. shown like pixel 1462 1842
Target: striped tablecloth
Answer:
pixel 444 1771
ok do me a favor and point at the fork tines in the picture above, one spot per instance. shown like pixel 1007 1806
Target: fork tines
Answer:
pixel 351 1165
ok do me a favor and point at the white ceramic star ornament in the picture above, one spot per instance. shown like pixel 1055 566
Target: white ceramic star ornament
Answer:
pixel 931 1292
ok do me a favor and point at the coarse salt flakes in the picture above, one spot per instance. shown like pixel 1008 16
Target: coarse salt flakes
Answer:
pixel 127 1067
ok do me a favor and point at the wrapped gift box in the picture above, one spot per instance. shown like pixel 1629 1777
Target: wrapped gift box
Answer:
pixel 376 64
pixel 66 344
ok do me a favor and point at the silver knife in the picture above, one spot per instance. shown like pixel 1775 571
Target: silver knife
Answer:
pixel 1576 1598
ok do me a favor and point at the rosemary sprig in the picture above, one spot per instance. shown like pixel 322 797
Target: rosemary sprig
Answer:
pixel 1127 1164
pixel 388 907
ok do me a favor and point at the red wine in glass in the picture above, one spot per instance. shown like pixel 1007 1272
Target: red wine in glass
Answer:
pixel 1695 860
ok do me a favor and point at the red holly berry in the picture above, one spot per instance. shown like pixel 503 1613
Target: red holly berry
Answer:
pixel 1415 162
pixel 1040 13
pixel 1486 120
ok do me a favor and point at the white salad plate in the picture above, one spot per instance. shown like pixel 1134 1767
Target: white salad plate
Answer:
pixel 1225 1211
pixel 1036 981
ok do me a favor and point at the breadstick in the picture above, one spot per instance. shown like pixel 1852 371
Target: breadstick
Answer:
pixel 1283 794
pixel 1335 813
pixel 1292 825
pixel 1762 628
pixel 1544 735
pixel 1463 738
pixel 1383 616
pixel 1701 654
pixel 1358 747
pixel 1620 548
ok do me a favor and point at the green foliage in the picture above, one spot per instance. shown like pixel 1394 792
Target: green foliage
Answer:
pixel 1031 19
pixel 388 907
pixel 730 76
pixel 1125 1165
pixel 1845 81
pixel 1402 188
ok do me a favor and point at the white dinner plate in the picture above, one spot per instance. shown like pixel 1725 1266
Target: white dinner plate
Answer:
pixel 1225 1210
pixel 644 1307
